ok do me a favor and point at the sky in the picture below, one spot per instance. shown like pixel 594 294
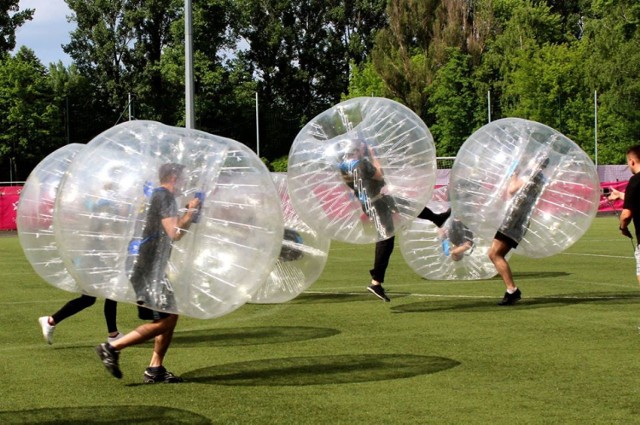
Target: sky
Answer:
pixel 47 31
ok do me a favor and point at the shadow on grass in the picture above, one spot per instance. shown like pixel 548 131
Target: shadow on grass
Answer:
pixel 103 415
pixel 234 337
pixel 322 298
pixel 490 305
pixel 320 370
pixel 250 336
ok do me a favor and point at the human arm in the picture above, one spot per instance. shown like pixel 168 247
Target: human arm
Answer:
pixel 174 226
pixel 615 195
pixel 515 183
pixel 376 164
pixel 462 248
pixel 625 219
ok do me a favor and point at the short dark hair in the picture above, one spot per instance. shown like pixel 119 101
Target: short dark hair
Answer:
pixel 169 169
pixel 635 151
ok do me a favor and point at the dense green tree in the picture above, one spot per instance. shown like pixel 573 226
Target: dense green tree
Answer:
pixel 151 22
pixel 300 52
pixel 102 47
pixel 451 104
pixel 11 18
pixel 29 118
pixel 83 115
pixel 365 81
pixel 612 33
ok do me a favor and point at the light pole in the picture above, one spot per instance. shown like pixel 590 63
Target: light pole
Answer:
pixel 188 66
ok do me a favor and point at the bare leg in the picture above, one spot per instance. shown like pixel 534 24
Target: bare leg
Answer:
pixel 160 329
pixel 497 254
pixel 161 345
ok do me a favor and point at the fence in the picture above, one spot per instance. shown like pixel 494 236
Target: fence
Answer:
pixel 615 176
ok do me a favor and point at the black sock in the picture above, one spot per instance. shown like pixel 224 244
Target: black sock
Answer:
pixel 156 369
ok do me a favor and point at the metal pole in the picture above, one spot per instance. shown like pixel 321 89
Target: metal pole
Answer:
pixel 129 106
pixel 595 124
pixel 67 116
pixel 489 105
pixel 188 66
pixel 257 129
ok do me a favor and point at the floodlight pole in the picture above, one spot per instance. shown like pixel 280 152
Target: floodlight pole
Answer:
pixel 189 121
pixel 595 125
pixel 257 129
pixel 488 105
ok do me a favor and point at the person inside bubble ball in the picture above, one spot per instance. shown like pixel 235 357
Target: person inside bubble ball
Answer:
pixel 457 240
pixel 163 226
pixel 362 172
pixel 631 207
pixel 102 207
pixel 384 249
pixel 524 188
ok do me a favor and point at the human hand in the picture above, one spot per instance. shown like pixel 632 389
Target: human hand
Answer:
pixel 625 231
pixel 193 203
pixel 615 195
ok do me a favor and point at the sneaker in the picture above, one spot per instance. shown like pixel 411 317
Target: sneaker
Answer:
pixel 115 338
pixel 378 291
pixel 163 377
pixel 109 357
pixel 511 299
pixel 47 329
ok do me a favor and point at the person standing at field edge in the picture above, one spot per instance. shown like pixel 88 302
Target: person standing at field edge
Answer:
pixel 631 207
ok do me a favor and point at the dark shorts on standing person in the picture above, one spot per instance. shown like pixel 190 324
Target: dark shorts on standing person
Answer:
pixel 506 239
pixel 145 313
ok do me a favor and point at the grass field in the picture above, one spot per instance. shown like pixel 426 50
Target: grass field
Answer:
pixel 439 353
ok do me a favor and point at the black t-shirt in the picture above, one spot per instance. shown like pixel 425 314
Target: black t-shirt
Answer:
pixel 359 176
pixel 632 201
pixel 155 248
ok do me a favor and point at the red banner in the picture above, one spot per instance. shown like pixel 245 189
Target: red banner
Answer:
pixel 9 196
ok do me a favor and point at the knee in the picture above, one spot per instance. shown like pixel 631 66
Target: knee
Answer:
pixel 494 256
pixel 168 323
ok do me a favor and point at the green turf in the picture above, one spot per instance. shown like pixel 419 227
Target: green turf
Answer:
pixel 439 353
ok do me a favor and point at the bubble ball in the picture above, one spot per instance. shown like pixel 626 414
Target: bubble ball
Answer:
pixel 450 252
pixel 302 258
pixel 225 255
pixel 361 169
pixel 527 180
pixel 34 217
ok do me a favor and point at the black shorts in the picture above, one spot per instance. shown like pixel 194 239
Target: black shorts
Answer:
pixel 506 239
pixel 145 313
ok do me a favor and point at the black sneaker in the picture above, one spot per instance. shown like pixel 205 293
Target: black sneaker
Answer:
pixel 511 299
pixel 378 291
pixel 162 377
pixel 109 357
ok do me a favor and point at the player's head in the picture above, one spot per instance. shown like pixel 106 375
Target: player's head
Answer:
pixel 350 148
pixel 169 170
pixel 633 158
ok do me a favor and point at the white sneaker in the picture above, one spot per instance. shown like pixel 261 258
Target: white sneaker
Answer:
pixel 115 338
pixel 47 329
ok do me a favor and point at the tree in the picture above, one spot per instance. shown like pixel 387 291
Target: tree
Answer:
pixel 451 103
pixel 29 118
pixel 612 34
pixel 300 52
pixel 102 47
pixel 11 18
pixel 83 115
pixel 418 40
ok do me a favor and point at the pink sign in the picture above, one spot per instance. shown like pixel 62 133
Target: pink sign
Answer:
pixel 9 196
